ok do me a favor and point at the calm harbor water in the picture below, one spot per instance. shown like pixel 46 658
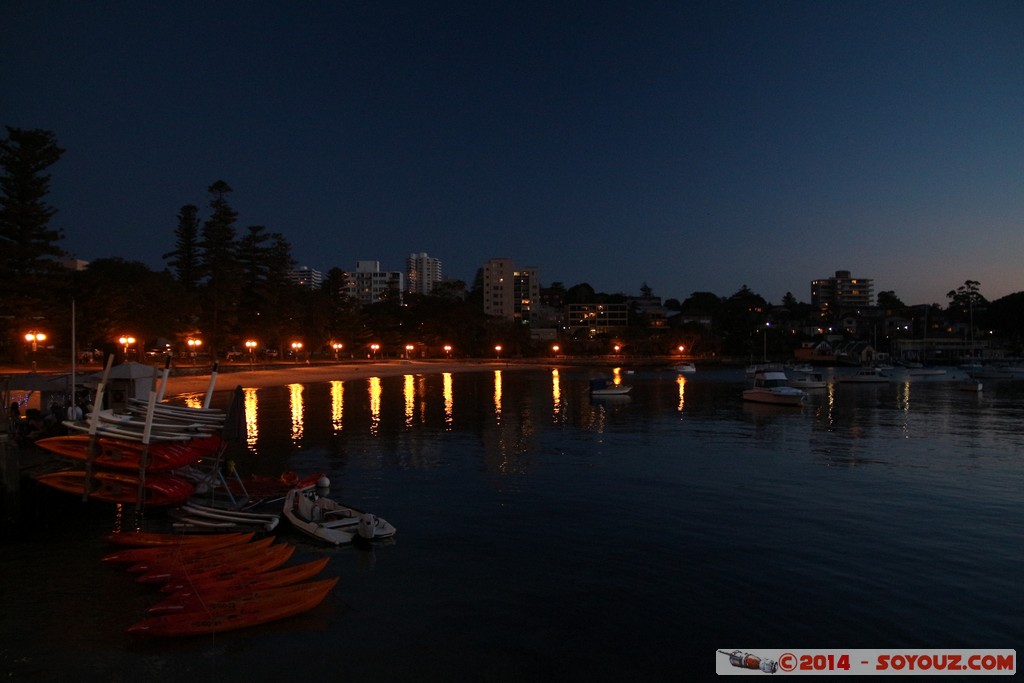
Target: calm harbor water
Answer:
pixel 543 535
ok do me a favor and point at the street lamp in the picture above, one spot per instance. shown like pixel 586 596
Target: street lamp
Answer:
pixel 497 351
pixel 337 347
pixel 448 350
pixel 193 348
pixel 251 345
pixel 126 342
pixel 408 351
pixel 296 347
pixel 374 348
pixel 34 338
pixel 555 348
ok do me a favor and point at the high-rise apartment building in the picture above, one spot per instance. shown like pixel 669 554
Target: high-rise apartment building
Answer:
pixel 306 277
pixel 421 273
pixel 369 284
pixel 510 292
pixel 842 292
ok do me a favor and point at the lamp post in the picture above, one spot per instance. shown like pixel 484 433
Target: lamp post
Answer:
pixel 497 351
pixel 408 351
pixel 374 348
pixel 296 347
pixel 251 345
pixel 193 348
pixel 448 350
pixel 33 338
pixel 555 348
pixel 126 341
pixel 337 347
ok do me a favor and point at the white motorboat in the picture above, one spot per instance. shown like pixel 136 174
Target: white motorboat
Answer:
pixel 809 380
pixel 865 375
pixel 605 387
pixel 685 368
pixel 970 384
pixel 773 387
pixel 330 521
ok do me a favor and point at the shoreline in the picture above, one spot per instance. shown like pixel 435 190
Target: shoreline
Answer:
pixel 280 375
pixel 186 380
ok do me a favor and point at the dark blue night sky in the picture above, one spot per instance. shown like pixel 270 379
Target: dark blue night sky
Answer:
pixel 694 146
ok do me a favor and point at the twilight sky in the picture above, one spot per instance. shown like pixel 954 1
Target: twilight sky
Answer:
pixel 694 146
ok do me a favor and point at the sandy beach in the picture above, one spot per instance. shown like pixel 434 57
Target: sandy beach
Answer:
pixel 282 374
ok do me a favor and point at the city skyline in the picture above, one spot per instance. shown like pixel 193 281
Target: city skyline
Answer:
pixel 691 147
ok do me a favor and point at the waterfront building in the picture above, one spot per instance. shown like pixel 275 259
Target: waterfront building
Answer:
pixel 306 277
pixel 422 272
pixel 842 292
pixel 368 284
pixel 598 318
pixel 510 292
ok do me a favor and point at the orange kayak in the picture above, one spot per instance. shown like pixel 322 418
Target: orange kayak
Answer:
pixel 133 555
pixel 267 559
pixel 151 539
pixel 274 604
pixel 125 455
pixel 199 556
pixel 117 487
pixel 193 598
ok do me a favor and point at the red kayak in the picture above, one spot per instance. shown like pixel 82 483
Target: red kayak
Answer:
pixel 235 614
pixel 127 455
pixel 151 539
pixel 201 595
pixel 264 560
pixel 198 556
pixel 118 487
pixel 133 555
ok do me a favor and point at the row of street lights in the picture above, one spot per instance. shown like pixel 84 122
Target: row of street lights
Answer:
pixel 194 344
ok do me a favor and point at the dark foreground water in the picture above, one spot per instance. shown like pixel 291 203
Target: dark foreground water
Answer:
pixel 545 536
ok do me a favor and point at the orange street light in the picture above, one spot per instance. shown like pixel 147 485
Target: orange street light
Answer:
pixel 448 350
pixel 126 341
pixel 34 338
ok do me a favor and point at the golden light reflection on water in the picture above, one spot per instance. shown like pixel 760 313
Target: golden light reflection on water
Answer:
pixel 616 375
pixel 337 404
pixel 449 399
pixel 195 400
pixel 374 389
pixel 681 381
pixel 252 432
pixel 409 393
pixel 556 394
pixel 497 392
pixel 297 410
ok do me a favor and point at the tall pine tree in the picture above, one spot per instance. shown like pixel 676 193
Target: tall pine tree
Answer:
pixel 29 268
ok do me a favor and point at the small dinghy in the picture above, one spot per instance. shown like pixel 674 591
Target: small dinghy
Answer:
pixel 330 521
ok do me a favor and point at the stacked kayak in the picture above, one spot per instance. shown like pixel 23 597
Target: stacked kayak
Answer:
pixel 127 455
pixel 218 583
pixel 120 487
pixel 131 459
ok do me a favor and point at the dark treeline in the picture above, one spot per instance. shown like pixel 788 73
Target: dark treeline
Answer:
pixel 226 285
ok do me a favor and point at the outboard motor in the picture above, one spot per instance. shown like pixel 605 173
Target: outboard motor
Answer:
pixel 367 525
